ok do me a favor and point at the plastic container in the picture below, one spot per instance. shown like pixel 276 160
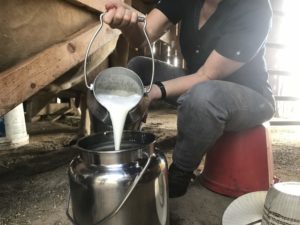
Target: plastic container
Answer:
pixel 15 129
pixel 239 163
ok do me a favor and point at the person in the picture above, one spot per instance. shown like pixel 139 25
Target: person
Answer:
pixel 225 84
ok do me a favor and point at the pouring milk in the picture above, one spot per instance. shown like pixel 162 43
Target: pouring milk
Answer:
pixel 118 103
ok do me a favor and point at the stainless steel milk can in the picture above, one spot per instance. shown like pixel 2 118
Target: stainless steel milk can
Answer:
pixel 126 187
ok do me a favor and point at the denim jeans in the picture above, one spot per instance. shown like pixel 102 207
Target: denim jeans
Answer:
pixel 206 110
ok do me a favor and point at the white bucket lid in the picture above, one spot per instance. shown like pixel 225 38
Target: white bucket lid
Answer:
pixel 280 205
pixel 246 209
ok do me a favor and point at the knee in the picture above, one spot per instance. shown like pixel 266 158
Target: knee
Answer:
pixel 134 63
pixel 207 92
pixel 205 98
pixel 139 65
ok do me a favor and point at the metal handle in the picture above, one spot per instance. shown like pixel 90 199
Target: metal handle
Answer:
pixel 151 51
pixel 140 19
pixel 118 208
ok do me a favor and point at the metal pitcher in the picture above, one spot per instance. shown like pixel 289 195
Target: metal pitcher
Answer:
pixel 125 187
pixel 120 79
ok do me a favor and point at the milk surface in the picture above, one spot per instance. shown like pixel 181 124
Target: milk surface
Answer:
pixel 118 103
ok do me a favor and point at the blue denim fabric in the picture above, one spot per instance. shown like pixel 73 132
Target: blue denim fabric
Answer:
pixel 206 111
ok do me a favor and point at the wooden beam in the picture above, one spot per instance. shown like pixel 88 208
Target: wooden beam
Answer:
pixel 53 108
pixel 73 82
pixel 25 79
pixel 94 5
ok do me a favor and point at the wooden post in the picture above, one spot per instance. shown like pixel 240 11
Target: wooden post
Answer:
pixel 85 125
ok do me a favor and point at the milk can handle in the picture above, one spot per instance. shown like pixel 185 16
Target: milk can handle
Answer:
pixel 118 208
pixel 140 19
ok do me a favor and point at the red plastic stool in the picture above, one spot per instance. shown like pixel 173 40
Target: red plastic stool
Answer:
pixel 239 163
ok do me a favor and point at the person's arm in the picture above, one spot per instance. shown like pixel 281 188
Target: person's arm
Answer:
pixel 216 67
pixel 242 38
pixel 122 16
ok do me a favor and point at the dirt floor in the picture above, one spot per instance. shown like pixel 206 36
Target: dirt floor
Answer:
pixel 34 182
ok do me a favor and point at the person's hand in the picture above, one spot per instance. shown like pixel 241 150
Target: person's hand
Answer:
pixel 155 93
pixel 119 15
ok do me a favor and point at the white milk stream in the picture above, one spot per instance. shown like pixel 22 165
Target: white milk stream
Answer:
pixel 118 104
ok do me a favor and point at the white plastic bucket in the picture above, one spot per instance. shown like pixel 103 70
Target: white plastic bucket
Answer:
pixel 15 129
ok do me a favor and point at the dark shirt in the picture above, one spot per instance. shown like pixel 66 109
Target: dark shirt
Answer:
pixel 237 30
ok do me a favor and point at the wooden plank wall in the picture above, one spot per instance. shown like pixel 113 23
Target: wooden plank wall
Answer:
pixel 280 56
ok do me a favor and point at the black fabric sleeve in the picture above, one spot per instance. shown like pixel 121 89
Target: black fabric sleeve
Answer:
pixel 173 9
pixel 245 32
